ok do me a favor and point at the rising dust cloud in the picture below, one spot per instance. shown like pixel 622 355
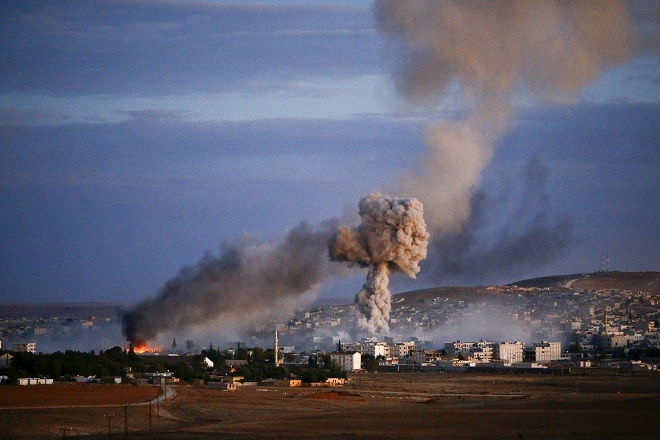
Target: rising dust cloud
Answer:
pixel 493 53
pixel 392 236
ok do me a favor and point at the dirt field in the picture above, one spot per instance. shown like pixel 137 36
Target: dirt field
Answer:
pixel 393 406
pixel 67 395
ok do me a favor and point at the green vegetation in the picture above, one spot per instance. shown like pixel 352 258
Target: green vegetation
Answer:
pixel 118 362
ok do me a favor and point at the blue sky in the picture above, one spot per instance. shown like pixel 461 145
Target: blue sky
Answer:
pixel 136 135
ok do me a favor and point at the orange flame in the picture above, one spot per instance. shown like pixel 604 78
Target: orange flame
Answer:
pixel 142 347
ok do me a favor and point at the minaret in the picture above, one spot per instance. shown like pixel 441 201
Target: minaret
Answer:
pixel 277 349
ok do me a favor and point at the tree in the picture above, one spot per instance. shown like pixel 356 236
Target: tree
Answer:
pixel 369 362
pixel 327 361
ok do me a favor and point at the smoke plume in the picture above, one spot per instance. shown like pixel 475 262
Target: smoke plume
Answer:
pixel 245 279
pixel 528 234
pixel 391 236
pixel 493 53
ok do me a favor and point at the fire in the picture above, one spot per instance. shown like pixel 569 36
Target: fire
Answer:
pixel 141 346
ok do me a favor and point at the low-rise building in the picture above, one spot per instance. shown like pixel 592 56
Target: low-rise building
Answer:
pixel 23 381
pixel 287 383
pixel 335 382
pixel 224 386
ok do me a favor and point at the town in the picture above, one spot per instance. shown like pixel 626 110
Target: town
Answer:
pixel 586 351
pixel 563 327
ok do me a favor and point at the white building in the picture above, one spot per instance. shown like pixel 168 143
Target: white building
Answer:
pixel 28 347
pixel 376 349
pixel 23 381
pixel 347 360
pixel 510 351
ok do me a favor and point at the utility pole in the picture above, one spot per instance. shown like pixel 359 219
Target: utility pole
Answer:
pixel 125 420
pixel 109 417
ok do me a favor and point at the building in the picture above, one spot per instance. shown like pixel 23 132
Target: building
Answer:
pixel 458 347
pixel 482 350
pixel 418 357
pixel 543 351
pixel 5 361
pixel 224 386
pixel 402 349
pixel 376 349
pixel 28 347
pixel 510 351
pixel 347 360
pixel 335 382
pixel 287 383
pixel 23 381
pixel 615 341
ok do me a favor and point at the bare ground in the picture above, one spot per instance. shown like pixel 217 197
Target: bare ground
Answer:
pixel 391 406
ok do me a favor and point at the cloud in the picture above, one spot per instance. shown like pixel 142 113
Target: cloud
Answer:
pixel 145 48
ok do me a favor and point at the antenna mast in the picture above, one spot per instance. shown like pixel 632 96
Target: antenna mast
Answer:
pixel 605 263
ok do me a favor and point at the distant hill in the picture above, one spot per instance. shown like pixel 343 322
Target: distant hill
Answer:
pixel 635 281
pixel 644 281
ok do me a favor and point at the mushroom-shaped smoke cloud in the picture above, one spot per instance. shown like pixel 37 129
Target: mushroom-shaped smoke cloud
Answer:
pixel 392 236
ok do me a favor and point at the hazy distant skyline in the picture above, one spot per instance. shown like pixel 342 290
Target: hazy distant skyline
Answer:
pixel 134 136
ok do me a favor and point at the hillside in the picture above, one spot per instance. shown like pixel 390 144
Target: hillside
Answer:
pixel 635 281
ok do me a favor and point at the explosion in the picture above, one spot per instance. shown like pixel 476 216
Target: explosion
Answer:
pixel 392 236
pixel 492 53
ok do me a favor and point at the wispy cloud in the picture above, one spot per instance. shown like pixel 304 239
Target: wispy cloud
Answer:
pixel 148 48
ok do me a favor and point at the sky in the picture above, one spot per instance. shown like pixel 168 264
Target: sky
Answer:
pixel 137 135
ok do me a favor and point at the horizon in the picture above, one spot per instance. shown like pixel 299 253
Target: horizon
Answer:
pixel 334 301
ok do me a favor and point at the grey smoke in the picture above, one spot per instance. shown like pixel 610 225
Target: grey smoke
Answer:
pixel 527 236
pixel 492 53
pixel 247 278
pixel 391 236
